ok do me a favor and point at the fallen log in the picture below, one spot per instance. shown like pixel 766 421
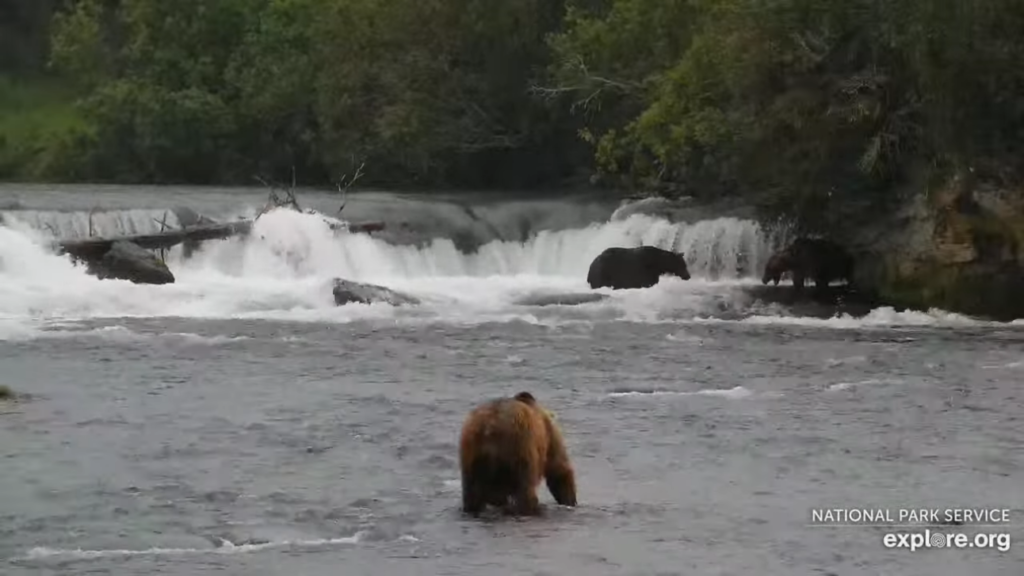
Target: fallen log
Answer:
pixel 92 249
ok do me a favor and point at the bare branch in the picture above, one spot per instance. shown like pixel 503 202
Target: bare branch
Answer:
pixel 91 212
pixel 163 227
pixel 276 201
pixel 162 222
pixel 344 197
pixel 591 84
pixel 343 186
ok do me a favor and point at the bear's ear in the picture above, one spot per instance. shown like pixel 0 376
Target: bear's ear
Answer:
pixel 526 398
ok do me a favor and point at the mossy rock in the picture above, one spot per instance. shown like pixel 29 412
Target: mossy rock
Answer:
pixel 963 253
pixel 7 394
pixel 972 290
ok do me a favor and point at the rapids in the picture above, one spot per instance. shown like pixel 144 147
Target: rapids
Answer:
pixel 238 422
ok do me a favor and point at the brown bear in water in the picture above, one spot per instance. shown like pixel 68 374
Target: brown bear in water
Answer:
pixel 507 446
pixel 815 258
pixel 639 267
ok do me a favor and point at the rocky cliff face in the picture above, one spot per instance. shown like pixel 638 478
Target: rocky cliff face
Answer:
pixel 960 248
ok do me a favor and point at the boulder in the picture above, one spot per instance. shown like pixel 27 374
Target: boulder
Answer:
pixel 128 261
pixel 349 292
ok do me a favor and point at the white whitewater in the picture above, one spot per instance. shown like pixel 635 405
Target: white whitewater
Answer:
pixel 106 223
pixel 284 269
pixel 304 246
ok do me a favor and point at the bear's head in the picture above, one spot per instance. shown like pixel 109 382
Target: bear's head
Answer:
pixel 678 266
pixel 531 401
pixel 778 264
pixel 666 261
pixel 526 398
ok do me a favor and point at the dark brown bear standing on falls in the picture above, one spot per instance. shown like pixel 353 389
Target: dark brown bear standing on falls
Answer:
pixel 817 259
pixel 507 446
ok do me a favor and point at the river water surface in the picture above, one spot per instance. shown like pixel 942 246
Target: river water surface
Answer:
pixel 237 422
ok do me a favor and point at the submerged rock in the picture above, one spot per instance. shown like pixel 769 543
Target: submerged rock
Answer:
pixel 349 292
pixel 8 397
pixel 570 299
pixel 128 261
pixel 828 302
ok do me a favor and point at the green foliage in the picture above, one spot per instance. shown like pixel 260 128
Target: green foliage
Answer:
pixel 145 132
pixel 433 91
pixel 155 91
pixel 416 87
pixel 80 49
pixel 271 79
pixel 819 109
pixel 607 64
pixel 37 120
pixel 810 107
pixel 24 34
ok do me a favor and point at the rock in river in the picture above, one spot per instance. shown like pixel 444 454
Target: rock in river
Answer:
pixel 128 261
pixel 347 292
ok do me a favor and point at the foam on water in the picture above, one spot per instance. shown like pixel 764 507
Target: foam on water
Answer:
pixel 882 317
pixel 283 271
pixel 45 553
pixel 839 386
pixel 301 245
pixel 735 393
pixel 121 334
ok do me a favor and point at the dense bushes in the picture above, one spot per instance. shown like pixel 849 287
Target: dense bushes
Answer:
pixel 814 107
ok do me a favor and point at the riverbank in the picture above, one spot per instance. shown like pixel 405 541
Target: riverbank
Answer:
pixel 957 247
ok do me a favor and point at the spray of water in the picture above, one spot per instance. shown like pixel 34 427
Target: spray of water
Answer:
pixel 283 270
pixel 106 223
pixel 301 246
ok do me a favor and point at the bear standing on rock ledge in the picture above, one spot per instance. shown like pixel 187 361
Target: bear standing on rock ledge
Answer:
pixel 506 447
pixel 817 259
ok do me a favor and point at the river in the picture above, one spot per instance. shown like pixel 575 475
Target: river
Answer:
pixel 238 422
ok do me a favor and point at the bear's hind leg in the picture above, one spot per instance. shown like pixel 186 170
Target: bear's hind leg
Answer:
pixel 525 503
pixel 473 497
pixel 561 483
pixel 798 282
